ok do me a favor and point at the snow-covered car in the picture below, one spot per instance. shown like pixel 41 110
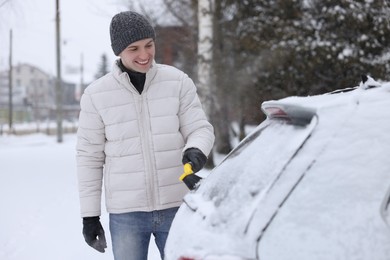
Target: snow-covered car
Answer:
pixel 310 182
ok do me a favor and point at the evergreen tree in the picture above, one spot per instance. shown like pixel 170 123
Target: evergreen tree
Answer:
pixel 271 49
pixel 330 45
pixel 299 47
pixel 102 67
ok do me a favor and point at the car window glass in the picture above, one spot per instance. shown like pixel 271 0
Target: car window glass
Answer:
pixel 250 170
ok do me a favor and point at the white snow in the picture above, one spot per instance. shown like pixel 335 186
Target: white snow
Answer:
pixel 39 202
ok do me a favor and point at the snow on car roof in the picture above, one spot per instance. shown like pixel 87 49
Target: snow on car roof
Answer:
pixel 329 100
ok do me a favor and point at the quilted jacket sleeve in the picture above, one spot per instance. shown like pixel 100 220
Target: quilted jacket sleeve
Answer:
pixel 90 157
pixel 195 128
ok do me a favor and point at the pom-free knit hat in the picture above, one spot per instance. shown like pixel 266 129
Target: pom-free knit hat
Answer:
pixel 128 27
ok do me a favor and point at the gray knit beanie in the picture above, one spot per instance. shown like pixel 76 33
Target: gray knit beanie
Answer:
pixel 128 27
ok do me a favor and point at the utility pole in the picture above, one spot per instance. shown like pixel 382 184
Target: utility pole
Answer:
pixel 10 105
pixel 81 74
pixel 59 80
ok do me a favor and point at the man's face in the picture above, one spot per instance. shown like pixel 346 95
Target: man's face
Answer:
pixel 139 55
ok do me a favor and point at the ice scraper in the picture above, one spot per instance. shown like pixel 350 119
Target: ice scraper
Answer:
pixel 189 177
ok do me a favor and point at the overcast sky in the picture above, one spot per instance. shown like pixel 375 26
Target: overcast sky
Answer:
pixel 84 30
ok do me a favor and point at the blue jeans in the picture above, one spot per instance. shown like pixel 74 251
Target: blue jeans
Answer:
pixel 131 232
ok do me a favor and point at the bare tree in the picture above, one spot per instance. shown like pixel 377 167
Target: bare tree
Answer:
pixel 206 82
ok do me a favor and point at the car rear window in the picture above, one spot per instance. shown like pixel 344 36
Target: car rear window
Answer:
pixel 232 189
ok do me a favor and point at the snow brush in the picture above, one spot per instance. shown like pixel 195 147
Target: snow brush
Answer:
pixel 189 177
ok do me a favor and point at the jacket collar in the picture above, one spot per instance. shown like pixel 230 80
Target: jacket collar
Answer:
pixel 124 80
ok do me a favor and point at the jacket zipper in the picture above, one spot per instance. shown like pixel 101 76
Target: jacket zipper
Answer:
pixel 145 135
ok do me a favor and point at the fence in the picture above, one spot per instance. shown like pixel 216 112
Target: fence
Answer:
pixel 49 128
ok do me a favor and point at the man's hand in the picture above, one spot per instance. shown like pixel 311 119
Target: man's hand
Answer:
pixel 94 233
pixel 195 157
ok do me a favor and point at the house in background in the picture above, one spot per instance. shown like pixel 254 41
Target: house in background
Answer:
pixel 33 94
pixel 176 46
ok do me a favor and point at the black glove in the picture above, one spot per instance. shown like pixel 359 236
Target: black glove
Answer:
pixel 94 234
pixel 195 157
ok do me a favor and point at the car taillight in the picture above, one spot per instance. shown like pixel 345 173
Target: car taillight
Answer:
pixel 224 257
pixel 275 112
pixel 220 257
pixel 292 113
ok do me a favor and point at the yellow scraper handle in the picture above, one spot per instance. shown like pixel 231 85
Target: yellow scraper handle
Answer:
pixel 187 171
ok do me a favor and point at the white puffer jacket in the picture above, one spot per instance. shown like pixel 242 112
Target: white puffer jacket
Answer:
pixel 136 141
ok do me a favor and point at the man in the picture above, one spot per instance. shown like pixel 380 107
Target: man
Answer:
pixel 137 126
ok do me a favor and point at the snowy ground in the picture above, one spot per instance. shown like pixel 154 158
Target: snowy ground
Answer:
pixel 39 201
